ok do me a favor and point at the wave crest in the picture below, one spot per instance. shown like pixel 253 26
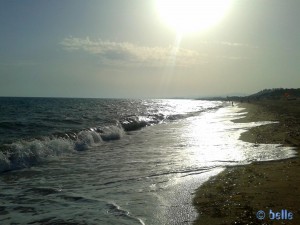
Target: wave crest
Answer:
pixel 24 154
pixel 86 139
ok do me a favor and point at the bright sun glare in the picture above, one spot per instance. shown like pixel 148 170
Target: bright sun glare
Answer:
pixel 187 16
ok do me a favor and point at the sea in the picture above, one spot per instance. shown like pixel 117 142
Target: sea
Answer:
pixel 116 161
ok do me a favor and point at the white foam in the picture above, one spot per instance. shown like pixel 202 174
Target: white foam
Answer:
pixel 23 154
pixel 86 139
pixel 110 133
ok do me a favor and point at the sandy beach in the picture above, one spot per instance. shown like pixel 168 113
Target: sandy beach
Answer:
pixel 237 194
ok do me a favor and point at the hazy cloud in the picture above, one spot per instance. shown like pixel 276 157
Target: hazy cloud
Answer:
pixel 230 44
pixel 124 53
pixel 132 55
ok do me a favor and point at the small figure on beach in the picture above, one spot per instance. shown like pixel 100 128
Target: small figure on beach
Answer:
pixel 232 103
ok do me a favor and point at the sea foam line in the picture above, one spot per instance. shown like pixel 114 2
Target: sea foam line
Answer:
pixel 26 153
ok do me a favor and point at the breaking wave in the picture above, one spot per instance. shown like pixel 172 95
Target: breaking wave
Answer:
pixel 25 153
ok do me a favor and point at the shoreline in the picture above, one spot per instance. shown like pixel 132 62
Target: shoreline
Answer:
pixel 235 195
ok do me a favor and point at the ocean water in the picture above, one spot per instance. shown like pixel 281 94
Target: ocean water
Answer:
pixel 110 161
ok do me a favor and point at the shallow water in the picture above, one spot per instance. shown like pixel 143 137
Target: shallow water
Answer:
pixel 139 164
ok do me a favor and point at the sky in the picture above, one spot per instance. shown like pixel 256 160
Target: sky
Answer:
pixel 124 49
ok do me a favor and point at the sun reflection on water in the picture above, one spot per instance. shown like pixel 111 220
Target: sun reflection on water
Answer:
pixel 212 139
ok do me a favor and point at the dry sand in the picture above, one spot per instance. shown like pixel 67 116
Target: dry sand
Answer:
pixel 235 196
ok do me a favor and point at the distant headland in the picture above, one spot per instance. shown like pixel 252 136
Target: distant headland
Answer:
pixel 266 94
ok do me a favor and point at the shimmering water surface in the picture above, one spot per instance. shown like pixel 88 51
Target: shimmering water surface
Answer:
pixel 106 161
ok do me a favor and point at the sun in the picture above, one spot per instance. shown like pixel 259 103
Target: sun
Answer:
pixel 187 16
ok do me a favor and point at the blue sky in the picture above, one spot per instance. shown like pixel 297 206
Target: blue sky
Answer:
pixel 117 48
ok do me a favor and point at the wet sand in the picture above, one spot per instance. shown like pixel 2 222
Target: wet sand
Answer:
pixel 235 196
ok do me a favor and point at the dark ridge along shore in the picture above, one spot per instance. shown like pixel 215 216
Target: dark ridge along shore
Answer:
pixel 235 195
